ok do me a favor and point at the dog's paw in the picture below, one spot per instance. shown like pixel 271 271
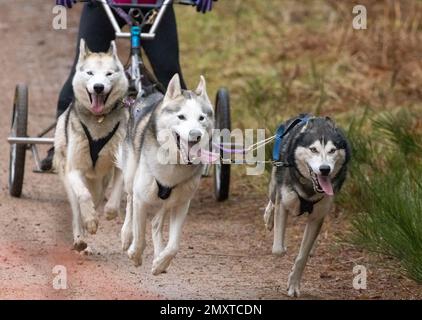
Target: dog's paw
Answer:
pixel 87 251
pixel 293 287
pixel 135 255
pixel 79 245
pixel 126 242
pixel 110 213
pixel 161 263
pixel 269 216
pixel 91 225
pixel 126 237
pixel 88 215
pixel 279 251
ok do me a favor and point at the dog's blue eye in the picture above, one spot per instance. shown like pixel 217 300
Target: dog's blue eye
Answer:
pixel 181 117
pixel 313 150
pixel 90 73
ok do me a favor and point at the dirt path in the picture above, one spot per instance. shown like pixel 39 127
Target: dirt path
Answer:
pixel 225 251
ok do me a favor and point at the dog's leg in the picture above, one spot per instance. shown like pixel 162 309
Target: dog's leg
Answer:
pixel 280 223
pixel 314 247
pixel 86 205
pixel 269 216
pixel 139 225
pixel 127 228
pixel 79 243
pixel 112 206
pixel 177 219
pixel 269 210
pixel 95 187
pixel 157 232
pixel 312 230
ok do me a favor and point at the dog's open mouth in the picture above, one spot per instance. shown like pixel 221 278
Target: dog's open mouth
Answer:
pixel 184 148
pixel 321 184
pixel 98 102
pixel 192 152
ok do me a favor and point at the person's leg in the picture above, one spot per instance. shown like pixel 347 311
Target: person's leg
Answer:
pixel 98 32
pixel 163 51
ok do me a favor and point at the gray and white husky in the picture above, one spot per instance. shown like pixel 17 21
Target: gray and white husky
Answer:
pixel 181 121
pixel 87 137
pixel 315 154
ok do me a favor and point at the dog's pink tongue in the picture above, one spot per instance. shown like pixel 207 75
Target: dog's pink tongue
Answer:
pixel 209 157
pixel 97 105
pixel 326 185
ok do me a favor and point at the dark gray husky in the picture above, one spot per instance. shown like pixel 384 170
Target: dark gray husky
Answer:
pixel 313 156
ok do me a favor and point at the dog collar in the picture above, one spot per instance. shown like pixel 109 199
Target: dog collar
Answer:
pixel 101 118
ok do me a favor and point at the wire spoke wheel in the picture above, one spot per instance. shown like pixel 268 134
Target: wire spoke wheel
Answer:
pixel 222 121
pixel 18 151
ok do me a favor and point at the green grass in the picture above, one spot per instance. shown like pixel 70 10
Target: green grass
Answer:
pixel 385 190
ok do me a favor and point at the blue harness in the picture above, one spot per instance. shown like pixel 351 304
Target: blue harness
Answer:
pixel 282 131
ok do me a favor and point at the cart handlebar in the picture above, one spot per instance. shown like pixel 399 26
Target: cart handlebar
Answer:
pixel 140 5
pixel 109 6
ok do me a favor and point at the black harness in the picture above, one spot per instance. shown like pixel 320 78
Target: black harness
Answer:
pixel 306 205
pixel 95 146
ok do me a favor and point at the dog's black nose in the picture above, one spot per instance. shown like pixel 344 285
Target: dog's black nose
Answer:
pixel 195 135
pixel 325 169
pixel 98 88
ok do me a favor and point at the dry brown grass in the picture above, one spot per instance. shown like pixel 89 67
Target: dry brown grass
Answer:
pixel 304 45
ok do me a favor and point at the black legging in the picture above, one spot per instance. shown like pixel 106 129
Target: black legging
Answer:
pixel 96 29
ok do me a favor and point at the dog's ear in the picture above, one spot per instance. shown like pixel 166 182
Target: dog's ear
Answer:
pixel 112 51
pixel 330 121
pixel 201 90
pixel 174 89
pixel 83 51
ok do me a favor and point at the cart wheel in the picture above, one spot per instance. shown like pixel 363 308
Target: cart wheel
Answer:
pixel 18 151
pixel 222 121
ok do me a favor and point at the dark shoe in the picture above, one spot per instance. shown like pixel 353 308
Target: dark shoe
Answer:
pixel 47 162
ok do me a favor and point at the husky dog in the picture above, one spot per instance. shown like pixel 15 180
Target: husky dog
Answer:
pixel 87 136
pixel 314 154
pixel 182 120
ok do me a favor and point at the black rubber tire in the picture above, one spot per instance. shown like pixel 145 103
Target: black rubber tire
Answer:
pixel 222 121
pixel 18 151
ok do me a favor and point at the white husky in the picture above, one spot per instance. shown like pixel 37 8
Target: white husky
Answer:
pixel 183 120
pixel 87 136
